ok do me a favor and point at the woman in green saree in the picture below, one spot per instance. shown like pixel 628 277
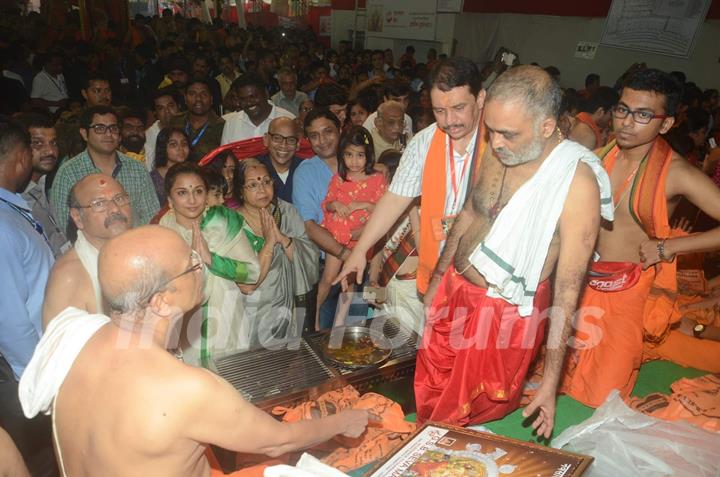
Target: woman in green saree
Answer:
pixel 274 308
pixel 218 235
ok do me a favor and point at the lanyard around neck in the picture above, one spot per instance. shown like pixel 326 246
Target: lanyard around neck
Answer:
pixel 27 215
pixel 200 133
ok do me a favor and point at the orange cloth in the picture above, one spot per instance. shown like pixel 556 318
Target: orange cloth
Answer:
pixel 388 429
pixel 587 119
pixel 696 401
pixel 607 348
pixel 475 354
pixel 687 350
pixel 433 195
pixel 645 312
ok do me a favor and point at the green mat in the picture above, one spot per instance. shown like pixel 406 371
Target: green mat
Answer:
pixel 655 376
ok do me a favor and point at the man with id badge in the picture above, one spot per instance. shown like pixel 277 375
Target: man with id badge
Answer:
pixel 439 165
pixel 26 260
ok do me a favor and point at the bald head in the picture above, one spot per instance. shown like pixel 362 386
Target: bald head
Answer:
pixel 285 123
pixel 282 141
pixel 131 271
pixel 391 107
pixel 100 208
pixel 530 86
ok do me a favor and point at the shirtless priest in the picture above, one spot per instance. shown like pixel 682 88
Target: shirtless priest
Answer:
pixel 100 209
pixel 535 209
pixel 121 404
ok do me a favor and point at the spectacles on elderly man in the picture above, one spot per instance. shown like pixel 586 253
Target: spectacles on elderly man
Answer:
pixel 101 205
pixel 196 263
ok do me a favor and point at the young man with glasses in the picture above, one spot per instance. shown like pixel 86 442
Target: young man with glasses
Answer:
pixel 282 141
pixel 99 127
pixel 100 209
pixel 630 301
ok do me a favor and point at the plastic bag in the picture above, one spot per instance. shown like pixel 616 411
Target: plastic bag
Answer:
pixel 628 443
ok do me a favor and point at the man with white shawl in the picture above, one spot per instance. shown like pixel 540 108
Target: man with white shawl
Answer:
pixel 100 209
pixel 534 210
pixel 121 404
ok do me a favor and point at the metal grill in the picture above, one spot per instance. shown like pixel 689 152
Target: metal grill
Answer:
pixel 268 378
pixel 263 373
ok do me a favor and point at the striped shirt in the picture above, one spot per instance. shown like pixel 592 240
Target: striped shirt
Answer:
pixel 131 174
pixel 409 176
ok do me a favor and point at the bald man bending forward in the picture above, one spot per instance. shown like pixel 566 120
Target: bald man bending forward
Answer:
pixel 126 407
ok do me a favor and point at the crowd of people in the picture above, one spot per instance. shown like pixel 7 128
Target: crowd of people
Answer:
pixel 278 174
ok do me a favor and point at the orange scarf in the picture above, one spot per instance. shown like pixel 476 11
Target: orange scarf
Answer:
pixel 434 194
pixel 648 207
pixel 585 118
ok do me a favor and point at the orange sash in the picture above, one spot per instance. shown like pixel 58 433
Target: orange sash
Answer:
pixel 586 119
pixel 649 210
pixel 433 195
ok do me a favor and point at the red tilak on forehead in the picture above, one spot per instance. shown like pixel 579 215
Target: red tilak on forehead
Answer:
pixel 103 182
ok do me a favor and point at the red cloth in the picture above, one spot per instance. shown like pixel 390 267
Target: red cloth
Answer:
pixel 253 147
pixel 346 191
pixel 481 381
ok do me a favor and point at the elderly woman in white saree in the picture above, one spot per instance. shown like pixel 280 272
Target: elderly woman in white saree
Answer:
pixel 271 316
pixel 218 235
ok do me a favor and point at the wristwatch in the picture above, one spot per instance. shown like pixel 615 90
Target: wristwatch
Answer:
pixel 698 330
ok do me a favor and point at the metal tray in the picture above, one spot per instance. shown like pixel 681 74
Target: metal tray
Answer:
pixel 348 336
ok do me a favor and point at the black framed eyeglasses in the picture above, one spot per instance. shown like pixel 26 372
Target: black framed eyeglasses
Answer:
pixel 639 116
pixel 103 128
pixel 279 139
pixel 101 205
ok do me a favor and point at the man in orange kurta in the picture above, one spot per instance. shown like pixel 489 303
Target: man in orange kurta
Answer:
pixel 630 305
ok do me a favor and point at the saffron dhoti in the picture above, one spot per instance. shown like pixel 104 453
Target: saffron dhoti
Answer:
pixel 475 354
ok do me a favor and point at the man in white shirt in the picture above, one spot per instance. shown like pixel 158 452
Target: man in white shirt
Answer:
pixel 48 88
pixel 256 111
pixel 288 97
pixel 165 104
pixel 395 90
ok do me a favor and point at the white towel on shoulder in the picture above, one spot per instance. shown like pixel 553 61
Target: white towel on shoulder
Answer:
pixel 513 253
pixel 88 256
pixel 65 337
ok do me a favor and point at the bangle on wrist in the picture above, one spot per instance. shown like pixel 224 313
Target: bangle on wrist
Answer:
pixel 661 251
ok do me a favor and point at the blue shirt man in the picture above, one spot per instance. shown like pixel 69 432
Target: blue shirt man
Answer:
pixel 311 181
pixel 26 262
